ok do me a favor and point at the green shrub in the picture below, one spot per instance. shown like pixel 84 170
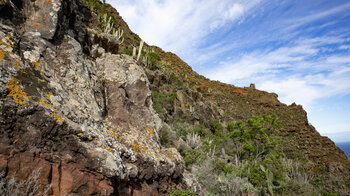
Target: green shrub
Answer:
pixel 216 127
pixel 162 101
pixel 166 138
pixel 221 166
pixel 231 126
pixel 182 129
pixel 203 131
pixel 230 184
pixel 136 37
pixel 127 51
pixel 325 193
pixel 234 134
pixel 207 145
pixel 172 97
pixel 174 78
pixel 154 57
pixel 175 192
pixel 158 102
pixel 192 156
pixel 248 149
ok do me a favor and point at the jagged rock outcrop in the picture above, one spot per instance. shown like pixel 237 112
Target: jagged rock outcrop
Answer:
pixel 86 121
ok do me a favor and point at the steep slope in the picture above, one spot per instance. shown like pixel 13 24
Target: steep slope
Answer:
pixel 98 122
pixel 198 100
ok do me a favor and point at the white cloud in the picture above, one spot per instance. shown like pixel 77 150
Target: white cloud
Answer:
pixel 317 16
pixel 296 73
pixel 235 11
pixel 344 47
pixel 179 25
pixel 338 59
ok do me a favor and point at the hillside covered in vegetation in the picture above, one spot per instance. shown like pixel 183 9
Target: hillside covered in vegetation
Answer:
pixel 94 110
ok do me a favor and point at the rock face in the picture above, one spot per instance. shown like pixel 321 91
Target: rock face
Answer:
pixel 87 123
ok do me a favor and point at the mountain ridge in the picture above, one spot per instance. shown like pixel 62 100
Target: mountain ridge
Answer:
pixel 100 115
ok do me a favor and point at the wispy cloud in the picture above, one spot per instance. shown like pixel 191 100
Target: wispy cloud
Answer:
pixel 180 25
pixel 344 47
pixel 298 73
pixel 297 22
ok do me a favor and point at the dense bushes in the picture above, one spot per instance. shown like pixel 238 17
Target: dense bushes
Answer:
pixel 162 101
pixel 244 157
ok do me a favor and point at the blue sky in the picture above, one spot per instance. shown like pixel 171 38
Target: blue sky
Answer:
pixel 298 49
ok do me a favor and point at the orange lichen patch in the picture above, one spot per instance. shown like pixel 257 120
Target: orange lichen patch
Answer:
pixel 93 155
pixel 170 155
pixel 49 1
pixel 57 118
pixel 44 103
pixel 16 92
pixel 150 130
pixel 138 148
pixel 2 55
pixel 36 26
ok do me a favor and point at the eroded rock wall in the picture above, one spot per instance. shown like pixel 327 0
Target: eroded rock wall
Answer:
pixel 86 122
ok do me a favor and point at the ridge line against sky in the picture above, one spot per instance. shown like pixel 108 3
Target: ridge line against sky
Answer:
pixel 297 49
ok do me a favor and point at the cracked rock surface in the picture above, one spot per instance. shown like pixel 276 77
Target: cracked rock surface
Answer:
pixel 86 122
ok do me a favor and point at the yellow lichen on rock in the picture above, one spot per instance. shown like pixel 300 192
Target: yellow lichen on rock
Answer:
pixel 49 94
pixel 54 112
pixel 44 103
pixel 16 92
pixel 37 64
pixel 2 55
pixel 108 149
pixel 17 62
pixel 57 118
pixel 150 130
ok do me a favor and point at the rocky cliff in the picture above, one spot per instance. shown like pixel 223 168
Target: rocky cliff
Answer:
pixel 92 119
pixel 86 122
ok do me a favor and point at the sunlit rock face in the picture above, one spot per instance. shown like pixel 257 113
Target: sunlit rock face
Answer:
pixel 85 120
